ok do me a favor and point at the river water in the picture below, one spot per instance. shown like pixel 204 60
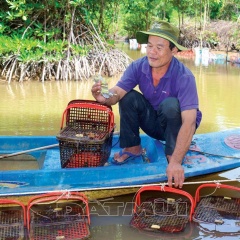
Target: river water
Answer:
pixel 35 108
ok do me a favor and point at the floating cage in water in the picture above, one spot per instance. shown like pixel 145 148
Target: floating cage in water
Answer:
pixel 162 214
pixel 58 216
pixel 12 220
pixel 218 210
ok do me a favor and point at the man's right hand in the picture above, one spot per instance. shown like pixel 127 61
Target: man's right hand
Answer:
pixel 96 92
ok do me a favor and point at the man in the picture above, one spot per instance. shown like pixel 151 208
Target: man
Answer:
pixel 167 107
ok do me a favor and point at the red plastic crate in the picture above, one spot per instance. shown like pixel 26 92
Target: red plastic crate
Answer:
pixel 161 214
pixel 218 207
pixel 59 215
pixel 12 219
pixel 86 139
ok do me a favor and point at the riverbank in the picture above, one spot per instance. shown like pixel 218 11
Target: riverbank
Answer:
pixel 233 56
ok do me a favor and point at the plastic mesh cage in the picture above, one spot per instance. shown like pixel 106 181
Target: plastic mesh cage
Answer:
pixel 12 220
pixel 86 140
pixel 58 216
pixel 162 214
pixel 217 209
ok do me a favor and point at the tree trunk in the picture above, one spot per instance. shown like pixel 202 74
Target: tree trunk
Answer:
pixel 101 16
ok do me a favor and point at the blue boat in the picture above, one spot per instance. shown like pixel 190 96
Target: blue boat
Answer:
pixel 209 153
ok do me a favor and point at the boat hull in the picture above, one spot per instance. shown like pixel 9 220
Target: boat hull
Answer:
pixel 209 153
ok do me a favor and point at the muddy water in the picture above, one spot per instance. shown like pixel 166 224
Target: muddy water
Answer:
pixel 35 108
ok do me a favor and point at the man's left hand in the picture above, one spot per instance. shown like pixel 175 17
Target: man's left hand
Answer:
pixel 175 171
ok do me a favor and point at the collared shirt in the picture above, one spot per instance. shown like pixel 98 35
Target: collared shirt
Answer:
pixel 177 82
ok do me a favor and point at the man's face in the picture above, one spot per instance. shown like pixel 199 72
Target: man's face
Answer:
pixel 158 52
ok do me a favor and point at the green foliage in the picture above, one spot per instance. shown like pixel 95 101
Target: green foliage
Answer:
pixel 133 23
pixel 35 50
pixel 80 50
pixel 111 42
pixel 229 12
pixel 51 19
pixel 76 3
pixel 212 38
pixel 215 7
pixel 140 14
pixel 18 8
pixel 236 35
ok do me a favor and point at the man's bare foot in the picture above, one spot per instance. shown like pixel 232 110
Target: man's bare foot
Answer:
pixel 136 150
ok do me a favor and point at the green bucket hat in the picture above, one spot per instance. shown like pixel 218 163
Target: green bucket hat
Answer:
pixel 161 29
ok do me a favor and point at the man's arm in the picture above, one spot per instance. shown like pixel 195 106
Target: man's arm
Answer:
pixel 175 170
pixel 118 94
